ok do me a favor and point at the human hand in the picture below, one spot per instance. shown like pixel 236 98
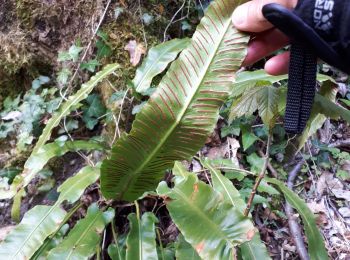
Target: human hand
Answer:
pixel 266 39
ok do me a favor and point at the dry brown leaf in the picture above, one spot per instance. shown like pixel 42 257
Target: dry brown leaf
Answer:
pixel 346 166
pixel 160 9
pixel 217 152
pixel 317 207
pixel 341 194
pixel 225 150
pixel 328 181
pixel 345 212
pixel 233 146
pixel 136 50
pixel 122 2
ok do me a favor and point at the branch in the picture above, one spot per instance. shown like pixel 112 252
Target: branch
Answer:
pixel 260 177
pixel 340 143
pixel 272 170
pixel 294 227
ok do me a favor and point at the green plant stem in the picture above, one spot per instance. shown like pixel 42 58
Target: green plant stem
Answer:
pixel 260 177
pixel 115 237
pixel 160 243
pixel 137 210
pixel 98 252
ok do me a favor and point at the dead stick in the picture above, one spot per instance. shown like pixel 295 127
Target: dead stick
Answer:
pixel 340 143
pixel 260 177
pixel 294 227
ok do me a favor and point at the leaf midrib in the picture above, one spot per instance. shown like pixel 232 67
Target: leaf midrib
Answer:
pixel 134 174
pixel 58 202
pixel 222 184
pixel 140 237
pixel 84 234
pixel 204 216
pixel 35 229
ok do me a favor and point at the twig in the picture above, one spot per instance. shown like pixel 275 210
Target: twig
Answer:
pixel 172 20
pixel 294 227
pixel 86 50
pixel 260 177
pixel 272 170
pixel 143 27
pixel 340 143
pixel 119 117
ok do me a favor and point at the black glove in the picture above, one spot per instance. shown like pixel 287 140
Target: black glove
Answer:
pixel 317 29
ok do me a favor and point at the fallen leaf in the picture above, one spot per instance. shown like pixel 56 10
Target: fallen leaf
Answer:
pixel 225 150
pixel 345 212
pixel 160 9
pixel 328 181
pixel 12 115
pixel 346 166
pixel 196 166
pixel 317 207
pixel 217 152
pixel 135 50
pixel 289 248
pixel 341 194
pixel 233 147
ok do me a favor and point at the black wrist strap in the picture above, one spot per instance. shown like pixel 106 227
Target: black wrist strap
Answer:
pixel 301 87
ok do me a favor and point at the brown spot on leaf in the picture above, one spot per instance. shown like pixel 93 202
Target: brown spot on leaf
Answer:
pixel 195 187
pixel 250 234
pixel 166 199
pixel 199 247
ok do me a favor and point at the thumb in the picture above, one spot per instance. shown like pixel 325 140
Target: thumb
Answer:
pixel 248 16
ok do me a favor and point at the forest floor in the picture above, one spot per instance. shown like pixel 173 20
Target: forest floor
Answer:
pixel 34 36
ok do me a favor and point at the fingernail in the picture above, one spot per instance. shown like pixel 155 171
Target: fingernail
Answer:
pixel 239 16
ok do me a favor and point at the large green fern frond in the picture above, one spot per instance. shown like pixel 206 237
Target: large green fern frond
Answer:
pixel 183 111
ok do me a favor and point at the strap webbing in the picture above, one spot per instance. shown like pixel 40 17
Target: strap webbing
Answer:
pixel 301 88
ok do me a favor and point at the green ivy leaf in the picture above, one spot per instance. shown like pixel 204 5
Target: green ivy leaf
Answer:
pixel 90 65
pixel 103 48
pixel 93 111
pixel 63 75
pixel 74 52
pixel 63 56
pixel 248 137
pixel 250 79
pixel 255 162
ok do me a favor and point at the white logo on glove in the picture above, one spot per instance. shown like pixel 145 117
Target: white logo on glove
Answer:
pixel 323 14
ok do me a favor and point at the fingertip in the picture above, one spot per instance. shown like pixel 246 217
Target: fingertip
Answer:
pixel 248 17
pixel 278 65
pixel 239 17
